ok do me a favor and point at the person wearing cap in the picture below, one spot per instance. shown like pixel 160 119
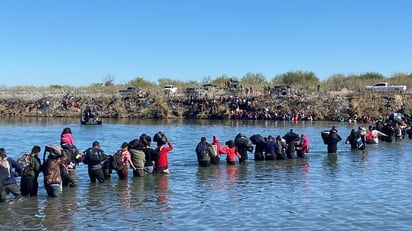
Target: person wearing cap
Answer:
pixel 29 184
pixel 332 141
pixel 94 157
pixel 9 183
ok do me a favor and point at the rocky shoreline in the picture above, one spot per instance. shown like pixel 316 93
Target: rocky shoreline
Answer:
pixel 220 104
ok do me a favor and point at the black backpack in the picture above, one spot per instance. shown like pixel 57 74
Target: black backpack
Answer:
pixel 117 161
pixel 202 150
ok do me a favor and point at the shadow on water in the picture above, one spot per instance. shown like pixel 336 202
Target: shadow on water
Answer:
pixel 331 164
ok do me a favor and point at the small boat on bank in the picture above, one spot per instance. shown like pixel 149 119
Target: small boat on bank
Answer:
pixel 91 115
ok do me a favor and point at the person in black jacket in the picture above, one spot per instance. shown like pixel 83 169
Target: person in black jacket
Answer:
pixel 94 158
pixel 332 141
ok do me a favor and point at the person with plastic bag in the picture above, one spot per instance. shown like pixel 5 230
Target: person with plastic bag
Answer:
pixel 291 138
pixel 54 170
pixel 332 141
pixel 260 146
pixel 162 160
pixel 243 146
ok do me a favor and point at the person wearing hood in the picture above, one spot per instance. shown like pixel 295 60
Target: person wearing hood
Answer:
pixel 352 139
pixel 332 141
pixel 9 183
pixel 218 150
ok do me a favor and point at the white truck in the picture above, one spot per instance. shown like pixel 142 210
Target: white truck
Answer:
pixel 385 86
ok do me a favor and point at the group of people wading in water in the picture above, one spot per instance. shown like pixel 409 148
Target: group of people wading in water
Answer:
pixel 395 128
pixel 59 168
pixel 265 148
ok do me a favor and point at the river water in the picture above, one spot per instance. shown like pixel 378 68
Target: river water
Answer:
pixel 353 190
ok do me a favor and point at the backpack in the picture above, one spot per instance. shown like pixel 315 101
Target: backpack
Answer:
pixel 94 156
pixel 24 160
pixel 6 165
pixel 202 150
pixel 117 161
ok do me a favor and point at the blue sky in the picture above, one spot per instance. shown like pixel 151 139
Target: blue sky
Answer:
pixel 78 43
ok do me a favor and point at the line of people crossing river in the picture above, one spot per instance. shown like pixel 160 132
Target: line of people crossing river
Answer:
pixel 60 161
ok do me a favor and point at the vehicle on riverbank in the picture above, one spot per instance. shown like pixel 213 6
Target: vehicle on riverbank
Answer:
pixel 131 91
pixel 170 89
pixel 385 86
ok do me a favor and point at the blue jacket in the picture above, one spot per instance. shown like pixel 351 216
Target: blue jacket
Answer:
pixel 18 169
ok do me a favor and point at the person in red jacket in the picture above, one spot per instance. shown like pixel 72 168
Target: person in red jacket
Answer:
pixel 162 162
pixel 231 152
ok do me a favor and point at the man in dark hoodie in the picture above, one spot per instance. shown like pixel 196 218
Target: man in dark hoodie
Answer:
pixel 9 183
pixel 332 141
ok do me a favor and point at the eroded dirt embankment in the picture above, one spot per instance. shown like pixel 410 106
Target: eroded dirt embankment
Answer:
pixel 219 105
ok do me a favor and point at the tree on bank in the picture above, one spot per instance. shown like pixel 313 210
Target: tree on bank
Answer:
pixel 254 80
pixel 141 82
pixel 297 78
